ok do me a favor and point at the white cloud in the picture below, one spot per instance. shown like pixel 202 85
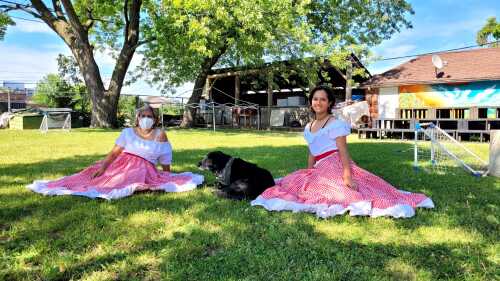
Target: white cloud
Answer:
pixel 382 66
pixel 29 65
pixel 26 65
pixel 397 51
pixel 30 27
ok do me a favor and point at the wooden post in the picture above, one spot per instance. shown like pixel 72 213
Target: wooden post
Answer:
pixel 207 89
pixel 494 166
pixel 269 97
pixel 269 89
pixel 136 102
pixel 237 89
pixel 348 86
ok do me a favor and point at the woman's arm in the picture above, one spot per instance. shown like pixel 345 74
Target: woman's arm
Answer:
pixel 163 138
pixel 310 160
pixel 345 159
pixel 117 150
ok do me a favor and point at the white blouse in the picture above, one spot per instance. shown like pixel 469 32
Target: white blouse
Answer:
pixel 324 139
pixel 151 150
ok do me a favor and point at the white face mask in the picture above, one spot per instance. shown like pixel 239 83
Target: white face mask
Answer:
pixel 146 123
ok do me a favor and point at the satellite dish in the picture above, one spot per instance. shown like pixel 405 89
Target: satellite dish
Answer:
pixel 437 61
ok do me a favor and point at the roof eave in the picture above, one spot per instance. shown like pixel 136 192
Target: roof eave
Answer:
pixel 428 82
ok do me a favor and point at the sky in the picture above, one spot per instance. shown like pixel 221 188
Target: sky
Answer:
pixel 29 49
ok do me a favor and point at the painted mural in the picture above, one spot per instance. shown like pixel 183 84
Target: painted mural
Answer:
pixel 485 93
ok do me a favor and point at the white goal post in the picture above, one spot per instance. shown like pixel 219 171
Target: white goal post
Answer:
pixel 436 150
pixel 56 120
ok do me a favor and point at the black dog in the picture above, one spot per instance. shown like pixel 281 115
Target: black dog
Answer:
pixel 236 179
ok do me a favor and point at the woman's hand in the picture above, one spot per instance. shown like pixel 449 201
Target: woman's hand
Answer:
pixel 99 172
pixel 346 166
pixel 108 160
pixel 349 182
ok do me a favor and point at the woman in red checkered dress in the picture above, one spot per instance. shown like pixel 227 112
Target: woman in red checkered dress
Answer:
pixel 333 184
pixel 129 167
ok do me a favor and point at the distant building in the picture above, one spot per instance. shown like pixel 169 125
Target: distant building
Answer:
pixel 18 94
pixel 467 81
pixel 17 100
pixel 18 87
pixel 14 86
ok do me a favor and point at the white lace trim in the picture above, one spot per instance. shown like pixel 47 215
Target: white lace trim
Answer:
pixel 41 187
pixel 362 208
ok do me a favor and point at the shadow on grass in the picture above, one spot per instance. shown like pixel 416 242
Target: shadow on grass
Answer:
pixel 195 235
pixel 228 240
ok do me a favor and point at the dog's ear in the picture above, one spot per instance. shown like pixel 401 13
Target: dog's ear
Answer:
pixel 219 159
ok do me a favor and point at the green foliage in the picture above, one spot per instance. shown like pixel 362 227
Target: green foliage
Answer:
pixel 173 109
pixel 69 71
pixel 126 110
pixel 65 89
pixel 491 30
pixel 53 91
pixel 193 35
pixel 5 21
pixel 107 32
pixel 197 236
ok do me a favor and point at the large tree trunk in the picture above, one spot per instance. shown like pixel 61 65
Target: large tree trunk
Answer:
pixel 189 111
pixel 75 34
pixel 103 102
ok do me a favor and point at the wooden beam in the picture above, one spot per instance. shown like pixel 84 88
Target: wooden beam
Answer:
pixel 270 89
pixel 237 89
pixel 235 73
pixel 348 86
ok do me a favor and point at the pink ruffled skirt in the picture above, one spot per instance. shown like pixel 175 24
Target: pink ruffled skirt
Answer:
pixel 127 174
pixel 321 191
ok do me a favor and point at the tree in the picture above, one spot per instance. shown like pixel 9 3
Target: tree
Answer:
pixel 490 29
pixel 86 25
pixel 126 110
pixel 195 35
pixel 53 91
pixel 5 21
pixel 69 72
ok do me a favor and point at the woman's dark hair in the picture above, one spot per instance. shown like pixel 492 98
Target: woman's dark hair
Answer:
pixel 329 94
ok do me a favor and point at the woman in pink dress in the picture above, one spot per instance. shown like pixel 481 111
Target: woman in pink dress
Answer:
pixel 333 184
pixel 129 167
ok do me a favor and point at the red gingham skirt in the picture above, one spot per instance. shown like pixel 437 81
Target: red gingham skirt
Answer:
pixel 321 190
pixel 127 174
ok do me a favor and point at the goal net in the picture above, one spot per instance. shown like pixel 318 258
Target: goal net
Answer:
pixel 436 151
pixel 59 120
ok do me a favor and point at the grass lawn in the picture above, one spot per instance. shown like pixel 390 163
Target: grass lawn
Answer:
pixel 196 236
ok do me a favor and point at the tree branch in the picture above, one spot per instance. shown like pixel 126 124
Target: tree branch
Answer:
pixel 45 13
pixel 142 42
pixel 127 21
pixel 73 19
pixel 131 40
pixel 90 22
pixel 58 9
pixel 25 8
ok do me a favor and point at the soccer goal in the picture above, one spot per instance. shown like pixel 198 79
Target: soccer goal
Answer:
pixel 56 120
pixel 436 151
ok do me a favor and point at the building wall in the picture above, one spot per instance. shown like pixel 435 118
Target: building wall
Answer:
pixel 388 101
pixel 371 96
pixel 485 93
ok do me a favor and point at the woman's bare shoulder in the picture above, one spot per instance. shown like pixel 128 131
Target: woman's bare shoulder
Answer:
pixel 162 135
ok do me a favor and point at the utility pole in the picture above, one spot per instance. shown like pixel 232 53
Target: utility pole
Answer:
pixel 8 100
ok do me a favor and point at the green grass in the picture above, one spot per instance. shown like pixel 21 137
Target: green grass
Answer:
pixel 196 236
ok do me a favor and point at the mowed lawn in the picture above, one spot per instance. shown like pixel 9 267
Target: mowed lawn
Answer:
pixel 196 236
